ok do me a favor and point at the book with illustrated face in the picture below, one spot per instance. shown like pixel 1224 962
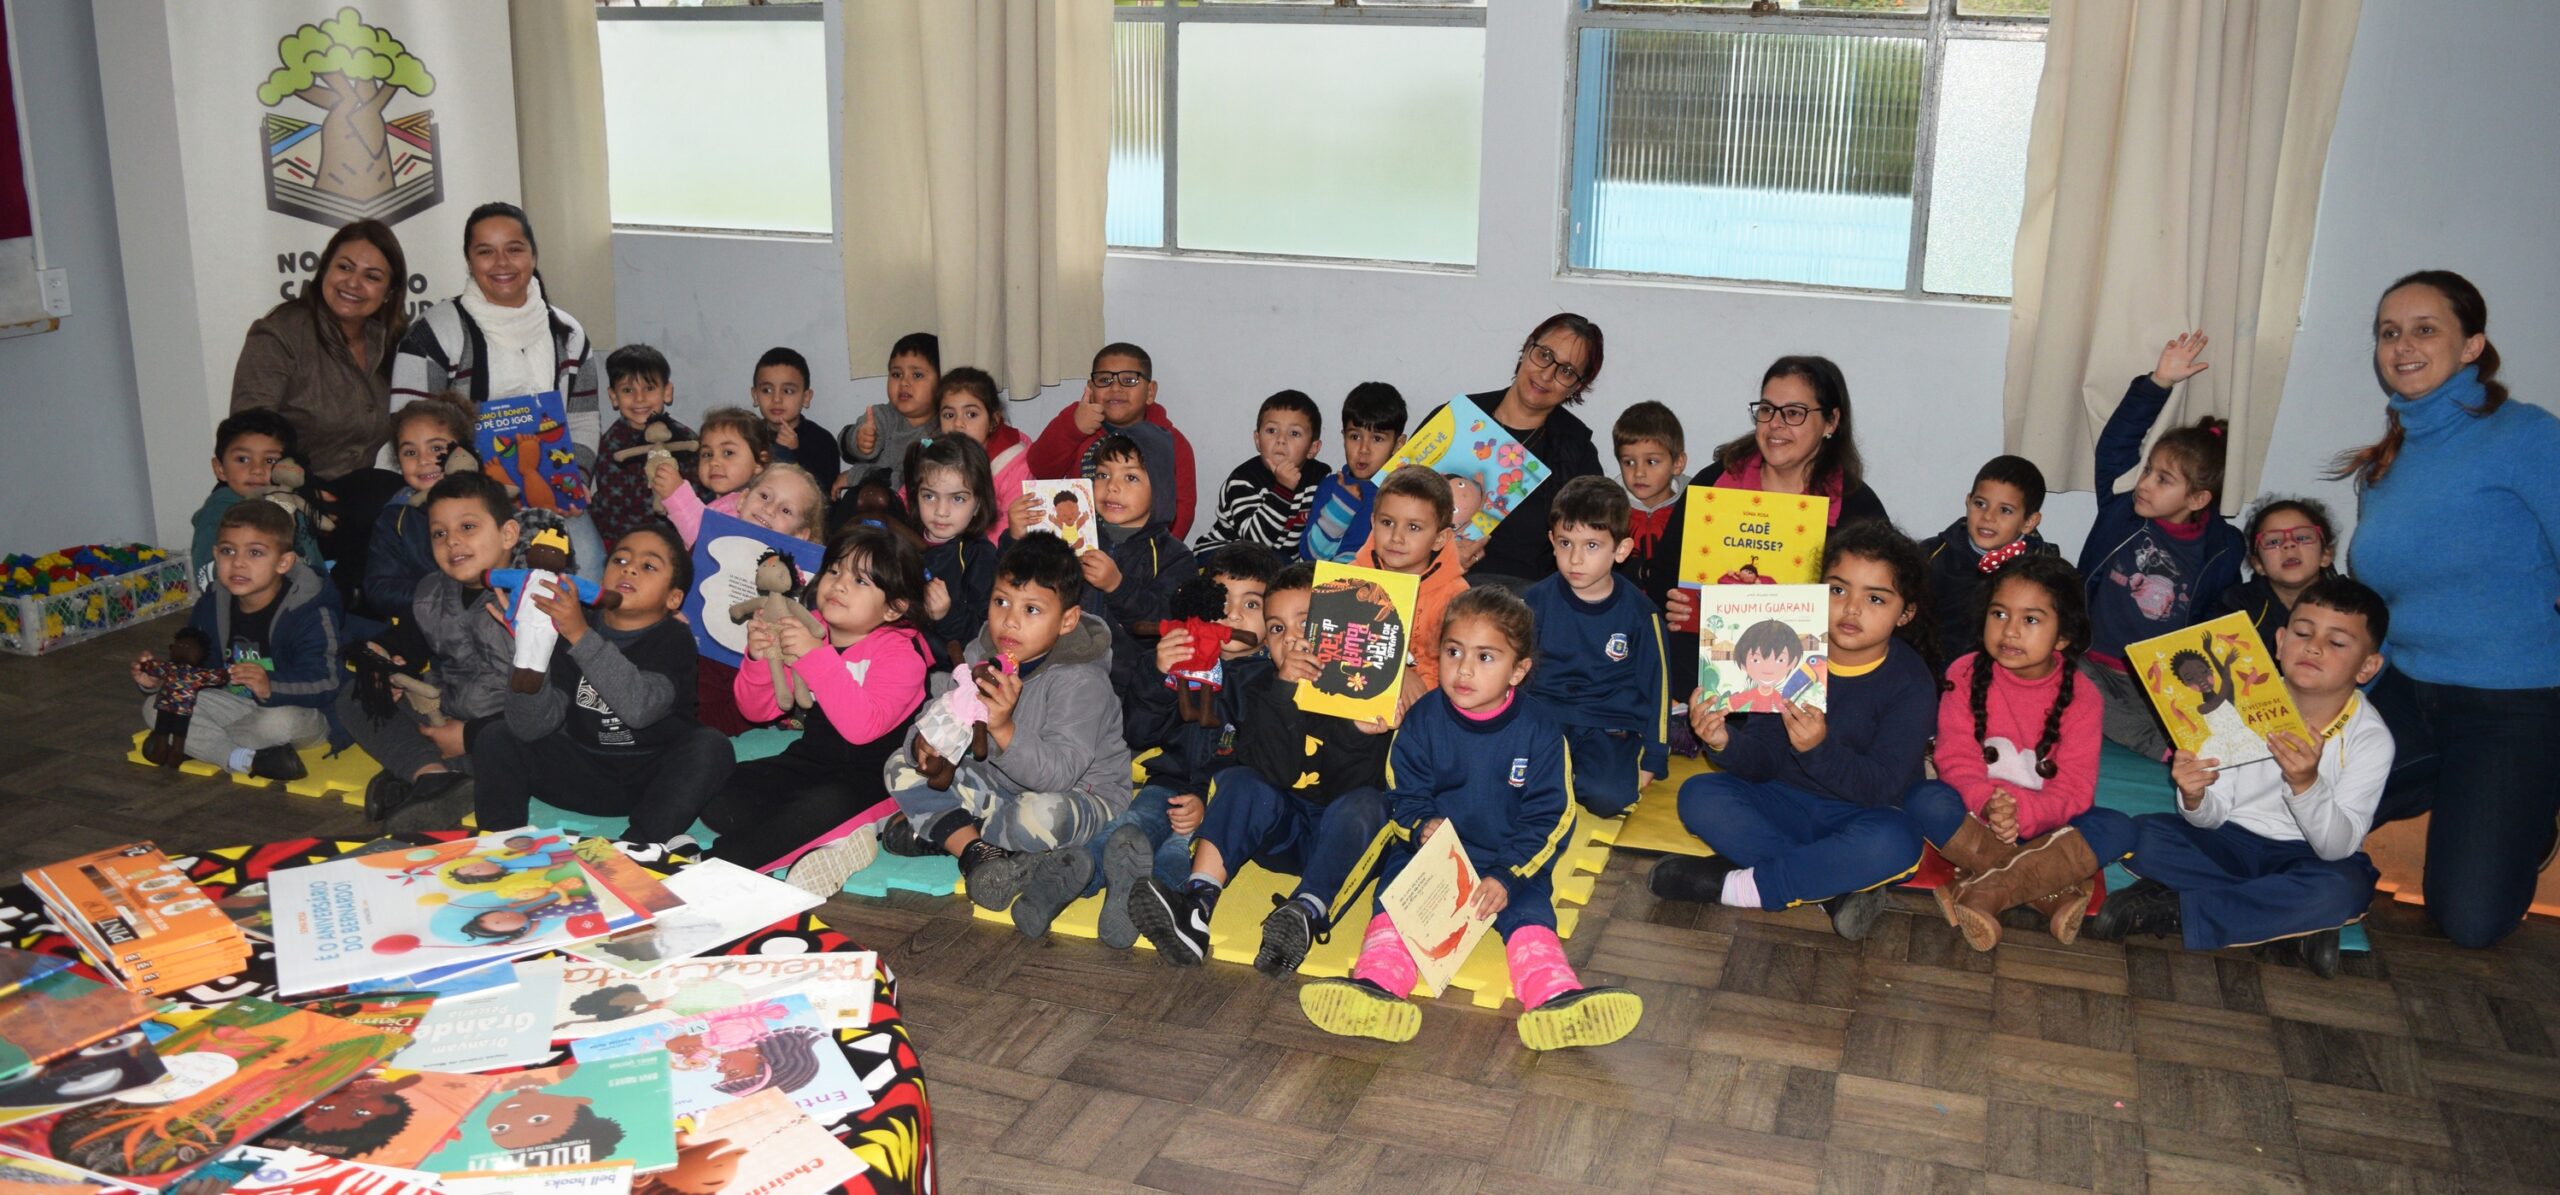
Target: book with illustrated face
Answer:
pixel 1357 620
pixel 763 1045
pixel 1761 647
pixel 574 1114
pixel 2217 690
pixel 522 441
pixel 109 1066
pixel 386 1117
pixel 596 999
pixel 1746 537
pixel 434 908
pixel 1460 441
pixel 760 1145
pixel 1064 509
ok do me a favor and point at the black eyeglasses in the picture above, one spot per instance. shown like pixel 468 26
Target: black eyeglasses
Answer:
pixel 1792 416
pixel 1126 377
pixel 1545 358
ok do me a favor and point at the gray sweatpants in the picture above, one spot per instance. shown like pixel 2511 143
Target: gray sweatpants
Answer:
pixel 2131 722
pixel 226 721
pixel 395 744
pixel 1014 821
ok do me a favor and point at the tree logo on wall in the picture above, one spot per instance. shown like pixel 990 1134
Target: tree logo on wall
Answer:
pixel 355 163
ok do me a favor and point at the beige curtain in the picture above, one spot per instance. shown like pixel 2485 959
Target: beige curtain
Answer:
pixel 559 76
pixel 2173 174
pixel 976 141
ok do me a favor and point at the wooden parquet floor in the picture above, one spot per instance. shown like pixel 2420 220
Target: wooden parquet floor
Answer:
pixel 1773 1055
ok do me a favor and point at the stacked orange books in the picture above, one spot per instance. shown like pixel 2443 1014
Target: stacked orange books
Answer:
pixel 135 914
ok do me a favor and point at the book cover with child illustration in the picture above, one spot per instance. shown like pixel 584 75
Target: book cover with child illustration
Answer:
pixel 760 1145
pixel 1356 626
pixel 2217 690
pixel 1063 509
pixel 1460 440
pixel 431 908
pixel 727 556
pixel 523 444
pixel 574 1114
pixel 1746 537
pixel 728 1054
pixel 596 999
pixel 387 1117
pixel 1763 646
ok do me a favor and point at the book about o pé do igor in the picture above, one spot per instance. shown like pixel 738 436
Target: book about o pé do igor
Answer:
pixel 574 1114
pixel 1432 904
pixel 523 441
pixel 434 908
pixel 1063 509
pixel 232 1075
pixel 761 1145
pixel 1761 647
pixel 725 556
pixel 2217 690
pixel 763 1045
pixel 1357 626
pixel 1746 537
pixel 1461 440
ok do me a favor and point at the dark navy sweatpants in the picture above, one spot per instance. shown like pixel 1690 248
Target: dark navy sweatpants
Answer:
pixel 1604 768
pixel 2236 888
pixel 1800 847
pixel 1249 818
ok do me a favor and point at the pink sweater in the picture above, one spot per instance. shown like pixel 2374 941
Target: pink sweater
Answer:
pixel 684 509
pixel 2015 710
pixel 865 690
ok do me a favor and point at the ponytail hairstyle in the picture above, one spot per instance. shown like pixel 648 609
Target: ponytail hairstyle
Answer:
pixel 2070 601
pixel 2197 449
pixel 1508 614
pixel 2367 465
pixel 1879 541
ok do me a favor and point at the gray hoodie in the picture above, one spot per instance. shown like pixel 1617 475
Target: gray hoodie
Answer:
pixel 1066 727
pixel 474 653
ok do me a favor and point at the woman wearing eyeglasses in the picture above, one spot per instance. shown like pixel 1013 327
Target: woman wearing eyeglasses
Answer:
pixel 1558 363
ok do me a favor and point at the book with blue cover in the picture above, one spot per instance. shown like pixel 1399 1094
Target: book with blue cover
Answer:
pixel 523 442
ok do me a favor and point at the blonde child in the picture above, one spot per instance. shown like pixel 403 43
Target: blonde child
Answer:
pixel 776 495
pixel 1473 755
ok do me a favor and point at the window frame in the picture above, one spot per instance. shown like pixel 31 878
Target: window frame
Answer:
pixel 1933 29
pixel 808 11
pixel 1172 15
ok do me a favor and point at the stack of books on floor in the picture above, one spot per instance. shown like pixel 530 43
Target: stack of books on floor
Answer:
pixel 408 1001
pixel 133 911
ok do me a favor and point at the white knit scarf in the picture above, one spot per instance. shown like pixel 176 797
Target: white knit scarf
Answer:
pixel 518 340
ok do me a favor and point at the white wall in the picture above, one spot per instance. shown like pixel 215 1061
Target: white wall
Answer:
pixel 71 463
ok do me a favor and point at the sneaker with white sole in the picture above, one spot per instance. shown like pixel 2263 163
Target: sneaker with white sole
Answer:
pixel 823 870
pixel 1175 922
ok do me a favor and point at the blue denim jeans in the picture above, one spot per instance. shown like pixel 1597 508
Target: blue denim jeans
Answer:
pixel 1150 810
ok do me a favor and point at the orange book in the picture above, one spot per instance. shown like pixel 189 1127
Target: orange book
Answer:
pixel 134 905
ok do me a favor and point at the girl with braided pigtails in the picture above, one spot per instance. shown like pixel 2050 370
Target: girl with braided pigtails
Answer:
pixel 2019 731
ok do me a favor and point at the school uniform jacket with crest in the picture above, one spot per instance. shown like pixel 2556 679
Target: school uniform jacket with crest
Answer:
pixel 1504 783
pixel 1601 664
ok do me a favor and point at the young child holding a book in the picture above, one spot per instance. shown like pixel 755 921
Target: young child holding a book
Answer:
pixel 642 387
pixel 1266 499
pixel 1130 576
pixel 953 503
pixel 2291 543
pixel 611 733
pixel 2159 555
pixel 246 449
pixel 2014 804
pixel 1154 835
pixel 2268 851
pixel 400 554
pixel 1602 674
pixel 888 429
pixel 1119 396
pixel 1412 530
pixel 1807 806
pixel 735 465
pixel 1472 754
pixel 781 393
pixel 971 407
pixel 273 622
pixel 1302 795
pixel 867 674
pixel 1056 768
pixel 1373 416
pixel 1999 525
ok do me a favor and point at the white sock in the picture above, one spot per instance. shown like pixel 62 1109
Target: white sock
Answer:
pixel 240 757
pixel 1740 890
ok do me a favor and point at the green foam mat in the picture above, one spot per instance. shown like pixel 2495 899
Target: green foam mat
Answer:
pixel 2134 786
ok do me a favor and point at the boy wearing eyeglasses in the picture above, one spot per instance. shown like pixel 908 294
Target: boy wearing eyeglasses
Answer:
pixel 1119 395
pixel 1999 524
pixel 2290 546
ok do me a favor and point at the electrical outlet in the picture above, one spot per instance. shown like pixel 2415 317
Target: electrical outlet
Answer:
pixel 56 288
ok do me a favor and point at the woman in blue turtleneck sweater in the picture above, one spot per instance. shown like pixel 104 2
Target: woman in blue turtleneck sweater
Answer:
pixel 2472 693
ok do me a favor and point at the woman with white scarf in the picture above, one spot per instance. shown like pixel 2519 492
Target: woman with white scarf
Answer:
pixel 499 339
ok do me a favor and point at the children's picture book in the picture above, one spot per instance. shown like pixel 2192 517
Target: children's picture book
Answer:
pixel 479 979
pixel 645 891
pixel 486 1030
pixel 1064 509
pixel 386 1117
pixel 1745 537
pixel 1763 646
pixel 566 1180
pixel 19 968
pixel 36 1176
pixel 110 1066
pixel 725 557
pixel 2217 690
pixel 247 908
pixel 232 1076
pixel 1461 440
pixel 761 1145
pixel 1356 622
pixel 719 902
pixel 62 1013
pixel 390 1012
pixel 1432 903
pixel 134 911
pixel 523 444
pixel 303 1172
pixel 445 906
pixel 574 1114
pixel 762 1045
pixel 596 999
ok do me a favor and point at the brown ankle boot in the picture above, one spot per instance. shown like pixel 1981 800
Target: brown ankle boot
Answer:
pixel 2065 910
pixel 1971 851
pixel 2042 867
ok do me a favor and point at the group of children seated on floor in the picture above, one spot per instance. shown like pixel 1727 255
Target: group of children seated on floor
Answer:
pixel 1979 650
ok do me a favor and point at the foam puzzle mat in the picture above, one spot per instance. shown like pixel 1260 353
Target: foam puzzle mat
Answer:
pixel 339 777
pixel 1653 824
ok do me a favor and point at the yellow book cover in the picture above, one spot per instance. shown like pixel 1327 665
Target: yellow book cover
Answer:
pixel 1356 624
pixel 2217 690
pixel 1746 537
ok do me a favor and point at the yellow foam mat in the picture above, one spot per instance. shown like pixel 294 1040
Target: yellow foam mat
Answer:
pixel 1235 932
pixel 341 777
pixel 1654 823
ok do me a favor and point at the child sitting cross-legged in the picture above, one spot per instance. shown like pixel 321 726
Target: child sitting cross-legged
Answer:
pixel 1808 806
pixel 1601 673
pixel 1266 499
pixel 611 732
pixel 273 622
pixel 1999 525
pixel 867 674
pixel 1472 754
pixel 2266 852
pixel 1338 516
pixel 2019 730
pixel 1302 795
pixel 2291 544
pixel 1413 529
pixel 1055 769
